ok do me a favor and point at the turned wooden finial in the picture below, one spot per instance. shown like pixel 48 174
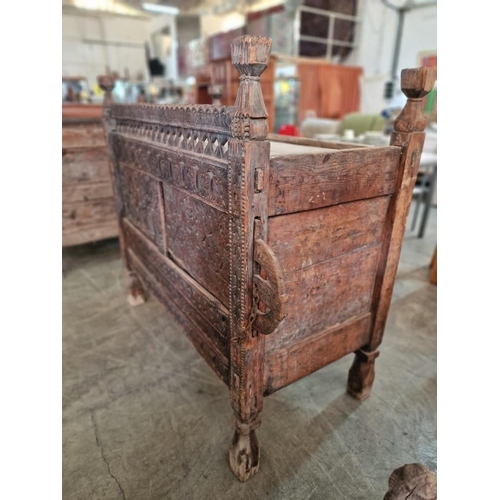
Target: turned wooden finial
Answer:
pixel 107 83
pixel 415 84
pixel 250 56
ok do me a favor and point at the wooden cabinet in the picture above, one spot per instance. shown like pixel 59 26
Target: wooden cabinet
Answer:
pixel 88 205
pixel 277 254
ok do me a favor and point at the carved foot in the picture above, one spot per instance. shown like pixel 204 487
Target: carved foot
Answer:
pixel 136 295
pixel 244 452
pixel 362 374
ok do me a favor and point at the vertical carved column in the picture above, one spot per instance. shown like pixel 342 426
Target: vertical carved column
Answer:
pixel 135 290
pixel 248 178
pixel 409 136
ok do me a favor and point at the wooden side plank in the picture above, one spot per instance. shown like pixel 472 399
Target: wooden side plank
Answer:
pixel 325 294
pixel 304 141
pixel 210 315
pixel 305 182
pixel 288 365
pixel 306 238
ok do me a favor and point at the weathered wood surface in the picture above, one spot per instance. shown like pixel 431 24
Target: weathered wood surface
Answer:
pixel 306 182
pixel 81 111
pixel 248 178
pixel 408 135
pixel 288 148
pixel 305 141
pixel 88 221
pixel 142 198
pixel 307 238
pixel 87 192
pixel 329 258
pixel 323 295
pixel 285 366
pixel 198 236
pixel 82 135
pixel 87 200
pixel 84 165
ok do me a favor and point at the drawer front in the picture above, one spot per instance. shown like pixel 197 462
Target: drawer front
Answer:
pixel 83 136
pixel 86 165
pixel 83 222
pixel 87 192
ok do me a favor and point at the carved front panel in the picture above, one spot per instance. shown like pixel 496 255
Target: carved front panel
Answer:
pixel 141 196
pixel 198 236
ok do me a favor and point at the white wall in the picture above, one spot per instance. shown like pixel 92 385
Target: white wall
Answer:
pixel 82 56
pixel 376 39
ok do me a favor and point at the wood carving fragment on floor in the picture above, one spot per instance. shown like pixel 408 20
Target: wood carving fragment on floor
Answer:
pixel 412 482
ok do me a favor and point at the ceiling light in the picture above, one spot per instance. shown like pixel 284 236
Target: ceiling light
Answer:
pixel 162 9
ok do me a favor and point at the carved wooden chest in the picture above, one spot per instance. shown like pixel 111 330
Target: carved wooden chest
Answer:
pixel 277 254
pixel 88 206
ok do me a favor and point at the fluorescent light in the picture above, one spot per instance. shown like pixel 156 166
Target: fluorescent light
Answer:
pixel 163 9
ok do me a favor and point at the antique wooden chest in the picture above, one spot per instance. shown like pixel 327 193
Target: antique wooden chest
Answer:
pixel 278 255
pixel 88 206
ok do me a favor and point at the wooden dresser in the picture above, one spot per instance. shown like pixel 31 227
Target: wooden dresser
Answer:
pixel 88 207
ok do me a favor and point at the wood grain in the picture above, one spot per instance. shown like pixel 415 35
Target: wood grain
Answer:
pixel 81 135
pixel 87 192
pixel 285 366
pixel 82 165
pixel 305 182
pixel 88 221
pixel 324 294
pixel 306 238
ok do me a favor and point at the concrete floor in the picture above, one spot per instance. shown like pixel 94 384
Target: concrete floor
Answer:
pixel 145 418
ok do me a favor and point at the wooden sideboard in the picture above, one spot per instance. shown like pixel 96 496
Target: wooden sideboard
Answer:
pixel 88 206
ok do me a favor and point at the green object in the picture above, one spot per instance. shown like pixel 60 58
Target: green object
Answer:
pixel 430 102
pixel 361 123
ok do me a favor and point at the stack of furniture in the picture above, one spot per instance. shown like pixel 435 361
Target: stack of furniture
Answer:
pixel 88 206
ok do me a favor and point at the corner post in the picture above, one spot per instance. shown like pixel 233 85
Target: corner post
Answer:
pixel 136 295
pixel 248 178
pixel 409 136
